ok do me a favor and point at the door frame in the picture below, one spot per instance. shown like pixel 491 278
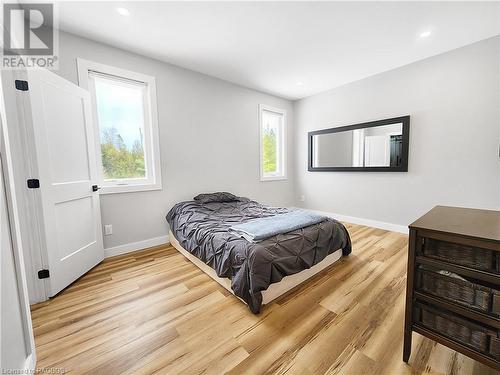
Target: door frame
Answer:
pixel 15 232
pixel 20 126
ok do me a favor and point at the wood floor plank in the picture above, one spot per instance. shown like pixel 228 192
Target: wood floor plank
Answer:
pixel 154 312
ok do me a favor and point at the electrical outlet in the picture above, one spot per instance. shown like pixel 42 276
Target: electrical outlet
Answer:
pixel 302 198
pixel 108 229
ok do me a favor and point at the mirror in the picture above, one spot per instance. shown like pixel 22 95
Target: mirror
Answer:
pixel 371 146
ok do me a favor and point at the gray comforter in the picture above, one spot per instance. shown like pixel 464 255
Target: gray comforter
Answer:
pixel 203 230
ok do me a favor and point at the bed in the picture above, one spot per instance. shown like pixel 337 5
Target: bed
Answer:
pixel 255 272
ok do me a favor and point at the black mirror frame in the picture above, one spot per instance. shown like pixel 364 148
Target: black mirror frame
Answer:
pixel 405 120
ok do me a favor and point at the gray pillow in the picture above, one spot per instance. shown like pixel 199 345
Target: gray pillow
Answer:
pixel 220 196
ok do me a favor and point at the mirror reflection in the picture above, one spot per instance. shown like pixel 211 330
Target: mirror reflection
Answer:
pixel 380 146
pixel 360 146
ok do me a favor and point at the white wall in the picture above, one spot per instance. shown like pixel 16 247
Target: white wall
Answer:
pixel 454 103
pixel 209 141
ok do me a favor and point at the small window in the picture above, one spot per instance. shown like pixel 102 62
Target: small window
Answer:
pixel 124 106
pixel 272 144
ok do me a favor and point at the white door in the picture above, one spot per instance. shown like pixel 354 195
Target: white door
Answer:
pixel 377 151
pixel 64 142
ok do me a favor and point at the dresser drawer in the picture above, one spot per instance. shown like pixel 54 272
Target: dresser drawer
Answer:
pixel 464 255
pixel 453 283
pixel 464 292
pixel 459 329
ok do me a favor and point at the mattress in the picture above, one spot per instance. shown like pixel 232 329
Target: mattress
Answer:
pixel 202 229
pixel 274 290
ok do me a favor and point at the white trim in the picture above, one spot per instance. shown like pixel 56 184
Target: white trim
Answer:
pixel 117 189
pixel 12 208
pixel 25 165
pixel 362 221
pixel 153 179
pixel 29 365
pixel 134 246
pixel 283 140
pixel 273 178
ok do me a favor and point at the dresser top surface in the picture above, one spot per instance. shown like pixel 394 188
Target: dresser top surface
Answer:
pixel 484 224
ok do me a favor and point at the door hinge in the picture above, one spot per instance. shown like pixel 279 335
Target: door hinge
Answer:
pixel 33 183
pixel 43 274
pixel 21 85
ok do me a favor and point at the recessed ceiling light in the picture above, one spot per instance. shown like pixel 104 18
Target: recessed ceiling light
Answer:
pixel 425 34
pixel 300 83
pixel 123 12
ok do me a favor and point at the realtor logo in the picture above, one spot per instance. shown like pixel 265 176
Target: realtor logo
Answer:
pixel 29 36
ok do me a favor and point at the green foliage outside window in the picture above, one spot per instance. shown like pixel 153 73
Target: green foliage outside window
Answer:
pixel 269 150
pixel 118 160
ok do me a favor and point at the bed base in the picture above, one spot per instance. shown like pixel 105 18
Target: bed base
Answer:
pixel 275 290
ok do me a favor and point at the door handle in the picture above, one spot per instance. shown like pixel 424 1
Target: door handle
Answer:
pixel 95 188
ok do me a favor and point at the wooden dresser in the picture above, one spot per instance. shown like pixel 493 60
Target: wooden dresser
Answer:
pixel 453 284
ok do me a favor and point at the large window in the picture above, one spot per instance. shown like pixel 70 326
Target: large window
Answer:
pixel 272 144
pixel 124 106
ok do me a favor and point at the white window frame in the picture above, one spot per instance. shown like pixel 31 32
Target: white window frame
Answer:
pixel 151 133
pixel 282 140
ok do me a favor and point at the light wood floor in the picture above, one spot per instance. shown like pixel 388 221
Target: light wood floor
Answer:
pixel 154 312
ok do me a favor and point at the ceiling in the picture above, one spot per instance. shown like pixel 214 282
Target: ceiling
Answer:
pixel 290 49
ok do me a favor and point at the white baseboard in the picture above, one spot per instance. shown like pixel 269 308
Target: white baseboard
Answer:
pixel 134 246
pixel 367 222
pixel 29 365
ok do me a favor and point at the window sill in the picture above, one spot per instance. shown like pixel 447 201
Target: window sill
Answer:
pixel 273 178
pixel 118 189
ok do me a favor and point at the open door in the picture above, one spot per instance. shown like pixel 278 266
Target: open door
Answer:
pixel 67 176
pixel 377 151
